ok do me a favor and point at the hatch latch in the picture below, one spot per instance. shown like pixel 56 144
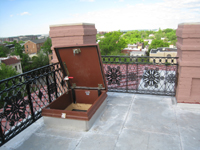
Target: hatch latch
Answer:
pixel 76 51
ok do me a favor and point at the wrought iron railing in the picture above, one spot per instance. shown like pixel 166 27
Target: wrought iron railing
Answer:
pixel 22 97
pixel 148 75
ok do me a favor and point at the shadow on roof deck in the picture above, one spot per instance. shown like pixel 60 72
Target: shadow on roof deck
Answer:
pixel 130 121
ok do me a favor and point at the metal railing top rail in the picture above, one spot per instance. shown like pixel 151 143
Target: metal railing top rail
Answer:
pixel 140 60
pixel 25 73
pixel 137 56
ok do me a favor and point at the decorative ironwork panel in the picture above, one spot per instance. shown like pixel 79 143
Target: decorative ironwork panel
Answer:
pixel 152 77
pixel 22 98
pixel 149 75
pixel 113 75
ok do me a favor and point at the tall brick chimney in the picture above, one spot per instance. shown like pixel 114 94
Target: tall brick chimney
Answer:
pixel 71 34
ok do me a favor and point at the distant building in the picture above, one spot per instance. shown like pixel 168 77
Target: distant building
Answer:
pixel 148 40
pixel 163 52
pixel 163 38
pixel 151 35
pixel 33 46
pixel 135 50
pixel 32 55
pixel 28 37
pixel 13 61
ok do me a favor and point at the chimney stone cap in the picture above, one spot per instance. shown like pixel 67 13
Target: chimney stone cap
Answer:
pixel 190 23
pixel 71 24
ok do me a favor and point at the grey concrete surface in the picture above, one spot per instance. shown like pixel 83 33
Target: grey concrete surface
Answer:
pixel 129 122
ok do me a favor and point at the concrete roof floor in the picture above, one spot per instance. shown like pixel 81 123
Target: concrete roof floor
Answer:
pixel 129 121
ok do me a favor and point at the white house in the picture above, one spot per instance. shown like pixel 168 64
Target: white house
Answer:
pixel 13 61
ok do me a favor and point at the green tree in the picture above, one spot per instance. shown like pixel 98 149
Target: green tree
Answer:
pixel 4 51
pixel 98 36
pixel 145 43
pixel 112 42
pixel 26 65
pixel 157 43
pixel 20 42
pixel 168 30
pixel 18 49
pixel 7 71
pixel 40 60
pixel 46 47
pixel 158 35
pixel 133 37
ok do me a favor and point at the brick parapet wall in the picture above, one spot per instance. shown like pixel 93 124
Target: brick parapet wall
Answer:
pixel 188 51
pixel 71 34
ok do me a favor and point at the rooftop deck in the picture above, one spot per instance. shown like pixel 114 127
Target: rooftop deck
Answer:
pixel 130 121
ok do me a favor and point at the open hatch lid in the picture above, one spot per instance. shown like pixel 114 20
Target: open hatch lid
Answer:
pixel 84 64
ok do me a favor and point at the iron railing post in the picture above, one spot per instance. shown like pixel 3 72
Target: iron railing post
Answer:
pixel 48 88
pixel 137 84
pixel 30 101
pixel 2 136
pixel 54 78
pixel 176 80
pixel 126 77
pixel 165 82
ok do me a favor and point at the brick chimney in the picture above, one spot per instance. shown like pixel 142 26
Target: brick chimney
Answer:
pixel 71 34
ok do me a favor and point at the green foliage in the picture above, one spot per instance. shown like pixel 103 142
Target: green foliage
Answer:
pixel 112 42
pixel 20 42
pixel 4 51
pixel 132 37
pixel 98 36
pixel 37 61
pixel 158 35
pixel 145 43
pixel 40 60
pixel 168 30
pixel 7 71
pixel 171 35
pixel 18 49
pixel 157 43
pixel 26 66
pixel 46 47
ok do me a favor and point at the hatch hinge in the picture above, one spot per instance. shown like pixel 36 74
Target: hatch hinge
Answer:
pixel 73 85
pixel 100 86
pixel 99 89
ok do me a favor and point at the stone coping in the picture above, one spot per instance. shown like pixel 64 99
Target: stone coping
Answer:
pixel 190 23
pixel 71 24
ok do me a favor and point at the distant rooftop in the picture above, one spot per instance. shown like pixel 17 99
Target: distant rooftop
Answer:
pixel 10 61
pixel 38 41
pixel 163 49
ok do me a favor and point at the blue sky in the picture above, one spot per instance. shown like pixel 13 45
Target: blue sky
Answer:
pixel 23 17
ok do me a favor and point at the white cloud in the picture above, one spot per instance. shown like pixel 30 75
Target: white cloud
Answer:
pixel 121 0
pixel 167 14
pixel 25 13
pixel 87 0
pixel 11 15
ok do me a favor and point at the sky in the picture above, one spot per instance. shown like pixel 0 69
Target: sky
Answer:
pixel 26 17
